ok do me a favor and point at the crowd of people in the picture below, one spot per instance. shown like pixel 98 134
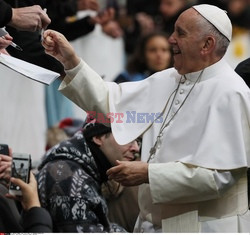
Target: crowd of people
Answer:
pixel 165 144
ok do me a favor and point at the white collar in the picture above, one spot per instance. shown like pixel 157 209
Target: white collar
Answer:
pixel 208 73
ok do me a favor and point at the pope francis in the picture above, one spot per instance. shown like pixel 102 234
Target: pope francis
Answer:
pixel 196 151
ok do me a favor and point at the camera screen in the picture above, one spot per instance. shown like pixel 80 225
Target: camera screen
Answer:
pixel 19 169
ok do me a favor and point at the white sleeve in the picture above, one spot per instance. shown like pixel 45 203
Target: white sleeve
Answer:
pixel 85 88
pixel 175 182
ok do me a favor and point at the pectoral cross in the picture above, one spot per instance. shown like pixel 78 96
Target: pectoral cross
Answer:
pixel 154 148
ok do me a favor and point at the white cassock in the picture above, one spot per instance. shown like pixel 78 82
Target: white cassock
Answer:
pixel 197 176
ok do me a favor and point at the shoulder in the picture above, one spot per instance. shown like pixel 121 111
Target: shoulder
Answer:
pixel 71 149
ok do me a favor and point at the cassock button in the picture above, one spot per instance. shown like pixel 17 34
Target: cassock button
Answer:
pixel 177 102
pixel 181 91
pixel 187 82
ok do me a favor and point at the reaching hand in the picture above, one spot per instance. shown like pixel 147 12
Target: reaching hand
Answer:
pixel 57 45
pixel 31 18
pixel 129 173
pixel 5 42
pixel 29 196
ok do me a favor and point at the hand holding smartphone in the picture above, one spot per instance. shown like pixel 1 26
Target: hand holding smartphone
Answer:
pixel 5 164
pixel 4 149
pixel 21 165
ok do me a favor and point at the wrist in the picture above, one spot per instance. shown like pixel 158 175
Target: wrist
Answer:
pixel 32 204
pixel 72 63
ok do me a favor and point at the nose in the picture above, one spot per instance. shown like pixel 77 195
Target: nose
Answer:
pixel 171 39
pixel 134 147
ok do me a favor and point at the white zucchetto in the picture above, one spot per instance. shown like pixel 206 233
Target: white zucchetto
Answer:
pixel 216 17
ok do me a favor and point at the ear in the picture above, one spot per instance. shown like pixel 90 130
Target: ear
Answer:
pixel 97 140
pixel 209 45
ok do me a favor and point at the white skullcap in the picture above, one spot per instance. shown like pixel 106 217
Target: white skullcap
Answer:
pixel 217 17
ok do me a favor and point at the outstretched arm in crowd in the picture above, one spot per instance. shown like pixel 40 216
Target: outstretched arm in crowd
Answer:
pixel 58 46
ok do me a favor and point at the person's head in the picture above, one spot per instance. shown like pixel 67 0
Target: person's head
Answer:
pixel 114 151
pixel 237 7
pixel 170 8
pixel 151 54
pixel 201 37
pixel 102 137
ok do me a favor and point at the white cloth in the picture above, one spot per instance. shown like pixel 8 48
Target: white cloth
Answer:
pixel 211 131
pixel 23 117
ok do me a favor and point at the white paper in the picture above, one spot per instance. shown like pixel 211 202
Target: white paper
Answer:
pixel 29 70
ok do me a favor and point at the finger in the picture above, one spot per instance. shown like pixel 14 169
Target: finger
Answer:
pixel 8 37
pixel 10 196
pixel 45 20
pixel 2 175
pixel 114 170
pixel 18 182
pixel 48 42
pixel 119 162
pixel 3 167
pixel 49 33
pixel 5 158
pixel 32 178
pixel 118 177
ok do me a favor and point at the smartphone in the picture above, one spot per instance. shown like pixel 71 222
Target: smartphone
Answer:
pixel 20 168
pixel 4 149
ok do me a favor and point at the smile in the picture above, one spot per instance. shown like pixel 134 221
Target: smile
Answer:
pixel 176 51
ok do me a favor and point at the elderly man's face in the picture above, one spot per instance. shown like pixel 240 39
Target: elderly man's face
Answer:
pixel 113 151
pixel 187 43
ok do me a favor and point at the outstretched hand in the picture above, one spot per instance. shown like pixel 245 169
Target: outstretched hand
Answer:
pixel 58 46
pixel 129 173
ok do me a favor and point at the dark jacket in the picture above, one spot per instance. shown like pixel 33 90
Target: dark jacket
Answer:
pixel 35 220
pixel 5 13
pixel 243 69
pixel 70 179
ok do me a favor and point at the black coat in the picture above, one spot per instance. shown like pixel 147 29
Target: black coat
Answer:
pixel 243 69
pixel 5 13
pixel 35 220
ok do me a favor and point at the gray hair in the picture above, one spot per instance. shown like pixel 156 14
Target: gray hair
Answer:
pixel 222 42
